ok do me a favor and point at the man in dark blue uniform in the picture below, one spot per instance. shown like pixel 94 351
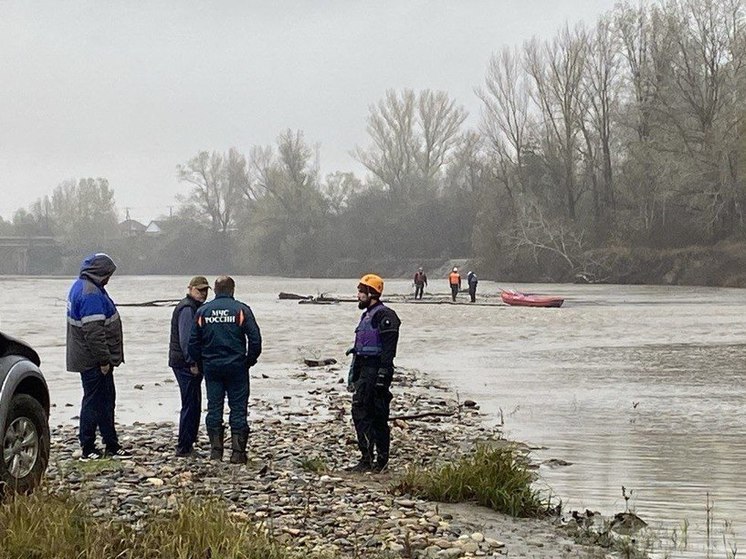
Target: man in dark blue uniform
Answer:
pixel 372 371
pixel 185 369
pixel 226 341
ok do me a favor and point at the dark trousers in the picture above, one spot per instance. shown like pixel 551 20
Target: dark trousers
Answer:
pixel 418 290
pixel 370 414
pixel 97 410
pixel 454 290
pixel 235 385
pixel 473 292
pixel 190 387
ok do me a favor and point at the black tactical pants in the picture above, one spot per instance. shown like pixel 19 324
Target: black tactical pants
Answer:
pixel 370 414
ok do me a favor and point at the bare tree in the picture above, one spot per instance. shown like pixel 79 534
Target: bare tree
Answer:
pixel 412 137
pixel 505 120
pixel 707 74
pixel 647 46
pixel 339 188
pixel 556 69
pixel 287 175
pixel 218 182
pixel 440 122
pixel 289 207
pixel 601 89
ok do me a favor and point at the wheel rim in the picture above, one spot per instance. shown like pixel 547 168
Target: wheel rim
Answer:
pixel 21 447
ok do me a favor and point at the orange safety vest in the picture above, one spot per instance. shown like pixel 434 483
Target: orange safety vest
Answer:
pixel 454 278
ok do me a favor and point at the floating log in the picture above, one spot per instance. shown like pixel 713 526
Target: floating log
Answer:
pixel 293 296
pixel 154 303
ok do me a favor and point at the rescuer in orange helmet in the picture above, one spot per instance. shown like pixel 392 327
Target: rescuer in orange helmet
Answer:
pixel 371 373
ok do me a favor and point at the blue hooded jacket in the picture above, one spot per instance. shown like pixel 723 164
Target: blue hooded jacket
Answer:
pixel 94 329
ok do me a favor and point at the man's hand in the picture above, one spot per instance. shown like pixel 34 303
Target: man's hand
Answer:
pixel 194 370
pixel 105 369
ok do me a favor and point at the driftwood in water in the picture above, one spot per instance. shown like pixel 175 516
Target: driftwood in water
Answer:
pixel 154 303
pixel 293 296
pixel 320 362
pixel 322 299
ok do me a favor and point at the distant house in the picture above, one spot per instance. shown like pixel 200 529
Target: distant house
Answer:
pixel 131 228
pixel 154 228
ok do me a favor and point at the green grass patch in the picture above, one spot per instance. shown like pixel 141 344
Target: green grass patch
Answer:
pixel 96 466
pixel 51 526
pixel 493 477
pixel 314 464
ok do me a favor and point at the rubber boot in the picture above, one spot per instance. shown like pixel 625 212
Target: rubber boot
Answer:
pixel 238 446
pixel 216 443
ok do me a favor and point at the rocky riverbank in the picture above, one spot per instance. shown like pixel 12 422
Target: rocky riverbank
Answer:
pixel 295 485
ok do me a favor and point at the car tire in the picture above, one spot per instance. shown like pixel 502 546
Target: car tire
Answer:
pixel 24 445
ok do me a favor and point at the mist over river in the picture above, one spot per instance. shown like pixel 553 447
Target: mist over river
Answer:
pixel 635 386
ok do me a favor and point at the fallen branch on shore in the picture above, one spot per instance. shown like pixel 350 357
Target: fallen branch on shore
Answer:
pixel 320 362
pixel 423 414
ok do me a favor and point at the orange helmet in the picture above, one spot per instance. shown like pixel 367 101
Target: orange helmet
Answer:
pixel 373 282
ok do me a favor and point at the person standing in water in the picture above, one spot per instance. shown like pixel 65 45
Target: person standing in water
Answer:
pixel 454 281
pixel 471 281
pixel 420 282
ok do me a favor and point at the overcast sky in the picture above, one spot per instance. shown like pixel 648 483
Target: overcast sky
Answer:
pixel 128 90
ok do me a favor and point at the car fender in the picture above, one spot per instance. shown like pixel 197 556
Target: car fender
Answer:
pixel 15 370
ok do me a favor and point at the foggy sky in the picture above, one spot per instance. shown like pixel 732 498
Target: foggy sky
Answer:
pixel 128 90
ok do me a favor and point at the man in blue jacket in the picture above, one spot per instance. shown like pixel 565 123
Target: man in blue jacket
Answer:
pixel 225 342
pixel 94 348
pixel 185 369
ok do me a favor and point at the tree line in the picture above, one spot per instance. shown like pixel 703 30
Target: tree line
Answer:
pixel 624 133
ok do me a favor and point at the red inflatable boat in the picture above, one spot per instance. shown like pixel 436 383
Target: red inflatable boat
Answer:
pixel 518 299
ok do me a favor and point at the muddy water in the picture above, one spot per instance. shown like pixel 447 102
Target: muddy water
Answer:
pixel 641 387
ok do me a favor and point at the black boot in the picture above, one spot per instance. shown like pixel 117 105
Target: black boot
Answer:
pixel 380 466
pixel 365 465
pixel 238 445
pixel 216 443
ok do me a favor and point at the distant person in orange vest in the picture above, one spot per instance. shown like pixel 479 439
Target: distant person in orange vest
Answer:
pixel 454 279
pixel 420 281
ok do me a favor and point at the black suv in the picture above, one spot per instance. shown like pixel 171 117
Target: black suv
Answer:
pixel 24 417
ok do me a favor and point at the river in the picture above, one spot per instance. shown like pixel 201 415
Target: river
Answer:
pixel 635 386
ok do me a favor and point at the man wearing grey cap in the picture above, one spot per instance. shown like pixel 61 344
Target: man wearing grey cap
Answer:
pixel 187 374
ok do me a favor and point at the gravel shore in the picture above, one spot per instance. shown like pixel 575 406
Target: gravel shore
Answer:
pixel 295 485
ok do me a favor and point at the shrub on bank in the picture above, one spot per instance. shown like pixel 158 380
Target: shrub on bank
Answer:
pixel 493 477
pixel 50 526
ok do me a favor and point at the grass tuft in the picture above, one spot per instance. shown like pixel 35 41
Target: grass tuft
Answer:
pixel 50 526
pixel 493 477
pixel 314 464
